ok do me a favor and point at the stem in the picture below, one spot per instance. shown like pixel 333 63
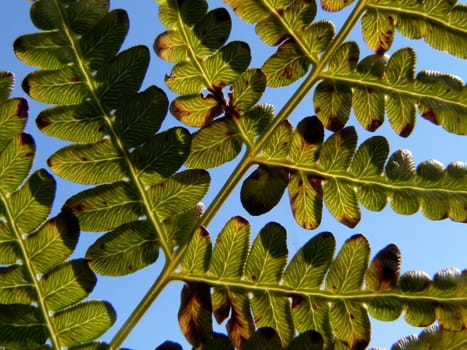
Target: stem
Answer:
pixel 166 274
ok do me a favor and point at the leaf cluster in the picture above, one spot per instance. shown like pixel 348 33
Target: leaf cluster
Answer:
pixel 257 287
pixel 41 291
pixel 145 201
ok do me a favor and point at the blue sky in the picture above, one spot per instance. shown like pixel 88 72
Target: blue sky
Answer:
pixel 425 245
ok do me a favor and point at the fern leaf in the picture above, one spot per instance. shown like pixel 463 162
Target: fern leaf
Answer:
pixel 316 291
pixel 287 24
pixel 38 286
pixel 434 337
pixel 205 67
pixel 96 88
pixel 440 23
pixel 388 85
pixel 318 173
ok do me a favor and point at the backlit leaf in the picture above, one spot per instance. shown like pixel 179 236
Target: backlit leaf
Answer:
pixel 124 250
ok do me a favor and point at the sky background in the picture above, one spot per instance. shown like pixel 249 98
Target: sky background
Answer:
pixel 425 245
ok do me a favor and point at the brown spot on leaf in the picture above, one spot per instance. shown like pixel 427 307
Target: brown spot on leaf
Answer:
pixel 297 300
pixel 26 139
pixel 42 122
pixel 360 344
pixel 311 130
pixel 254 278
pixel 351 316
pixel 130 267
pixel 280 11
pixel 316 183
pixel 406 130
pixel 22 108
pixel 334 123
pixel 25 85
pixel 375 124
pixel 431 116
pixel 84 159
pixel 77 208
pixel 102 246
pixel 204 232
pixel 75 79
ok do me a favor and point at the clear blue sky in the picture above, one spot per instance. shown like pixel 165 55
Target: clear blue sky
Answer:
pixel 425 245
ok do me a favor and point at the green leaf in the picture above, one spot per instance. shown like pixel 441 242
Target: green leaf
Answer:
pixel 332 103
pixel 286 66
pixel 7 81
pixel 48 50
pixel 334 5
pixel 315 293
pixel 263 189
pixel 161 155
pixel 198 254
pixel 61 86
pixel 230 251
pixel 195 110
pixel 265 338
pixel 53 242
pixel 226 65
pixel 79 123
pixel 309 340
pixel 247 90
pixel 141 116
pixel 278 144
pixel 101 43
pixel 440 23
pixel 30 205
pixel 268 255
pixel 310 264
pixel 305 191
pixel 377 85
pixel 15 286
pixel 16 161
pixel 346 272
pixel 378 30
pixel 83 322
pixel 434 337
pixel 13 114
pixel 297 15
pixel 121 77
pixel 214 145
pixel 89 163
pixel 105 207
pixel 124 250
pixel 178 193
pixel 67 284
pixel 256 120
pixel 265 264
pixel 21 326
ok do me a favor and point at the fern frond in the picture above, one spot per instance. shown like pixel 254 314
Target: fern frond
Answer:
pixel 204 68
pixel 433 337
pixel 287 24
pixel 379 85
pixel 315 291
pixel 41 293
pixel 441 23
pixel 342 176
pixel 114 125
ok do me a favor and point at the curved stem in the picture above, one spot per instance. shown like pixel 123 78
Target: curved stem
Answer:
pixel 166 274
